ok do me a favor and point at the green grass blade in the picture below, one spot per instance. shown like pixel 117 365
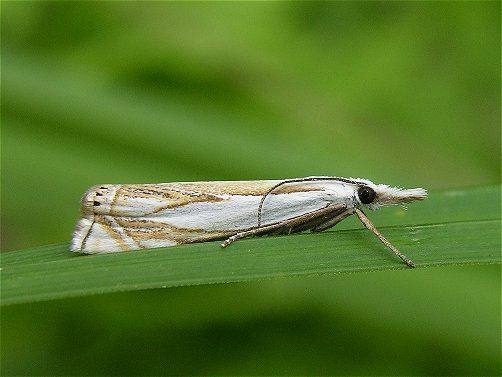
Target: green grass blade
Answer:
pixel 453 227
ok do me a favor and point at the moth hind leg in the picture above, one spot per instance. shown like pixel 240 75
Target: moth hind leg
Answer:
pixel 262 230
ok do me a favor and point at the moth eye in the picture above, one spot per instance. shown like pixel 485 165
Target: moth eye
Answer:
pixel 366 194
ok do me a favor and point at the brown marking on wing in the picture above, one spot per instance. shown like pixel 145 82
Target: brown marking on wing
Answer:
pixel 131 235
pixel 96 199
pixel 254 188
pixel 113 202
pixel 144 230
pixel 188 198
pixel 86 203
pixel 100 219
pixel 172 196
pixel 296 188
pixel 84 241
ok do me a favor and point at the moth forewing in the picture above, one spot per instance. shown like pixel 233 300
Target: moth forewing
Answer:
pixel 128 217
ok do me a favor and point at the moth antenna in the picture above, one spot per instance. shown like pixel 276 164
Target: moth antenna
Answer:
pixel 297 180
pixel 260 207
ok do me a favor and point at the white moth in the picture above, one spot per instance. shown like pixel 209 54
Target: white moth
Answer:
pixel 128 217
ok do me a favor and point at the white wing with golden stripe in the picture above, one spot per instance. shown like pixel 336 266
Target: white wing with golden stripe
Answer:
pixel 127 217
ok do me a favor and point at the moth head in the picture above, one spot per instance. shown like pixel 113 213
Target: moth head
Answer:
pixel 375 196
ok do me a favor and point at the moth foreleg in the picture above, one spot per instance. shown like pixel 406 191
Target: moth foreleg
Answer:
pixel 369 225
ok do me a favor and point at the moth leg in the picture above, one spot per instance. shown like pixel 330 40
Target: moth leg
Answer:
pixel 253 232
pixel 285 224
pixel 315 221
pixel 369 225
pixel 332 222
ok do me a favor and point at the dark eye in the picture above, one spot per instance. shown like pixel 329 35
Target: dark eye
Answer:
pixel 366 194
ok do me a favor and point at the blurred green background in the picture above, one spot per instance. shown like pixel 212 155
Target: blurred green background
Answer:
pixel 406 93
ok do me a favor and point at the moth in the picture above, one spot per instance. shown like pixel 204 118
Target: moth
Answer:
pixel 135 216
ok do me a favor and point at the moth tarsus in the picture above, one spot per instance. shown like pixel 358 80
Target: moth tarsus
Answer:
pixel 127 217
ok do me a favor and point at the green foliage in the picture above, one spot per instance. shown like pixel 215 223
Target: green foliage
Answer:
pixel 409 97
pixel 470 235
pixel 405 93
pixel 432 321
